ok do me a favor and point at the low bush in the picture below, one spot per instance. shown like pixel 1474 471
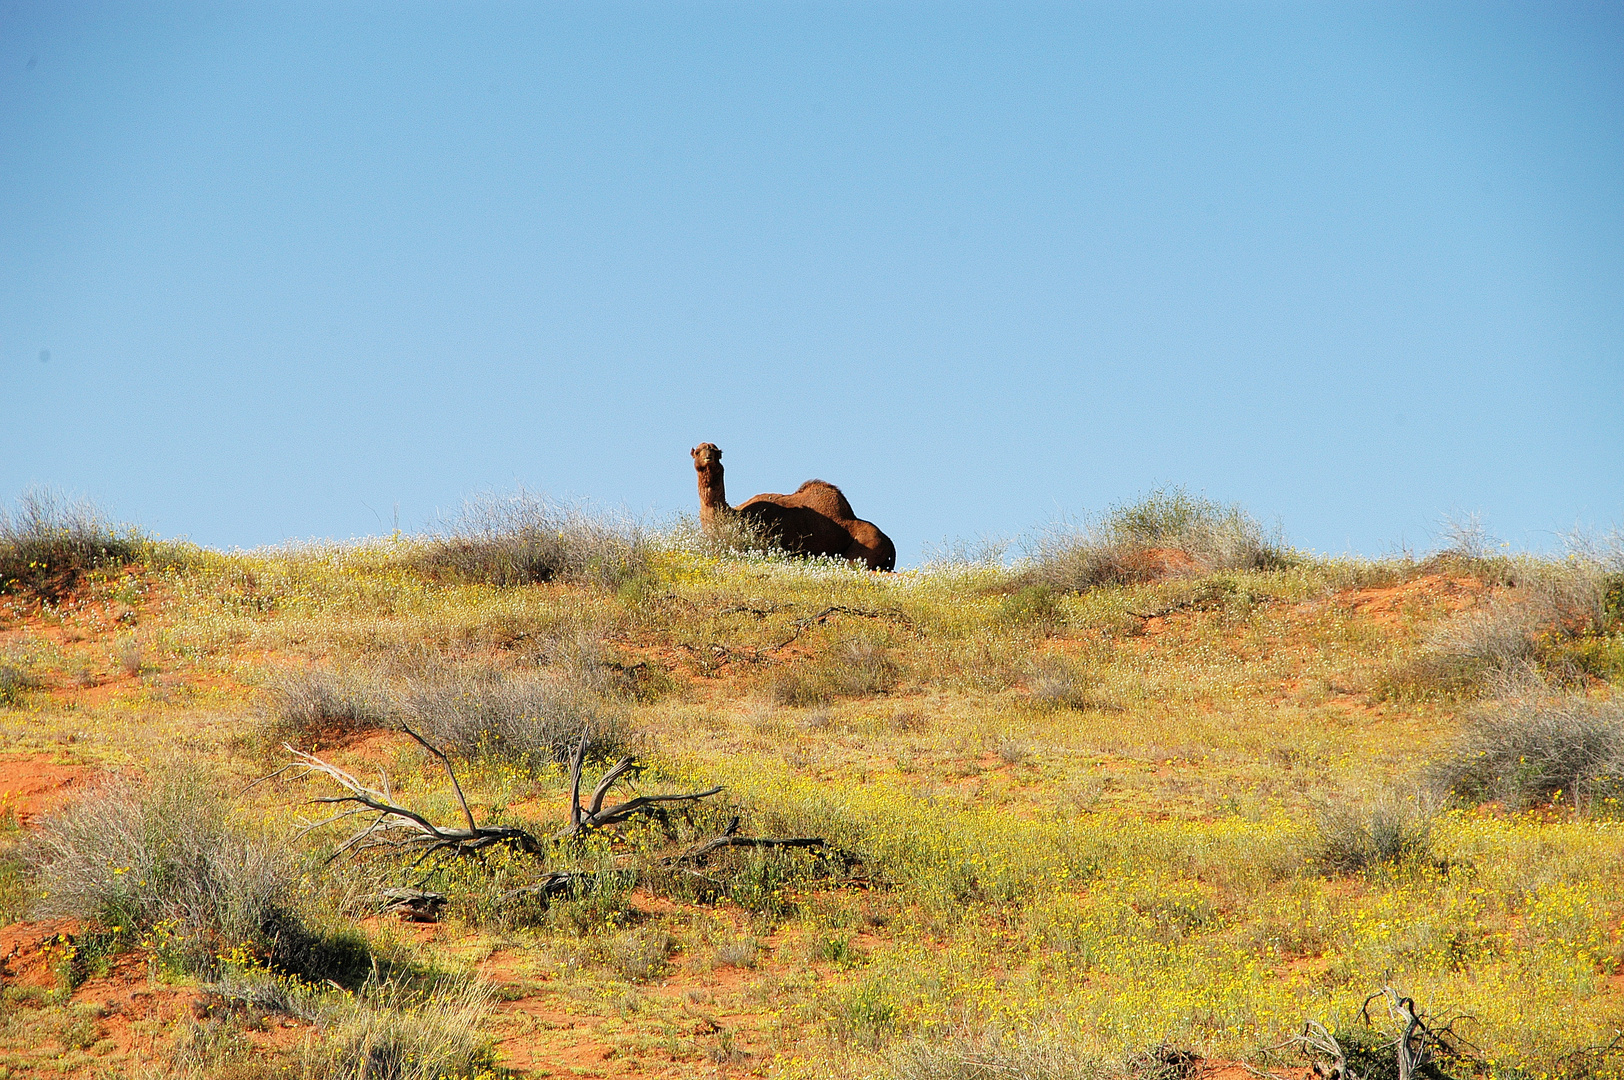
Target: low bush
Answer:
pixel 169 863
pixel 439 1036
pixel 48 542
pixel 17 676
pixel 1056 682
pixel 523 538
pixel 851 667
pixel 528 719
pixel 1167 533
pixel 1555 615
pixel 1528 749
pixel 1389 834
pixel 310 706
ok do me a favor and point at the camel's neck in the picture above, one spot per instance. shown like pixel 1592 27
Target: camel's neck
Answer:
pixel 712 496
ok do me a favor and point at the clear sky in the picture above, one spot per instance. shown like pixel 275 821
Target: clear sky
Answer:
pixel 269 271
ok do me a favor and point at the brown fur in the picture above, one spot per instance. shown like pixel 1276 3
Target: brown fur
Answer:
pixel 815 519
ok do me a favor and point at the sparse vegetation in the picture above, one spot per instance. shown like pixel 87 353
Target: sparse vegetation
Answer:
pixel 47 542
pixel 1056 820
pixel 524 537
pixel 1169 532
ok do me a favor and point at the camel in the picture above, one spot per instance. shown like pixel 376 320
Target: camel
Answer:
pixel 815 519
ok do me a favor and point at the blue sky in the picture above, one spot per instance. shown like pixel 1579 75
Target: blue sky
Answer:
pixel 294 266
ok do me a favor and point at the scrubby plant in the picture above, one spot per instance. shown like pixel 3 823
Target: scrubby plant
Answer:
pixel 170 863
pixel 48 541
pixel 525 537
pixel 1552 614
pixel 1168 532
pixel 308 705
pixel 17 676
pixel 528 719
pixel 392 1035
pixel 852 667
pixel 1392 834
pixel 1535 746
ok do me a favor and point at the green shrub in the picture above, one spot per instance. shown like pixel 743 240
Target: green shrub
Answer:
pixel 48 542
pixel 1130 543
pixel 17 676
pixel 851 667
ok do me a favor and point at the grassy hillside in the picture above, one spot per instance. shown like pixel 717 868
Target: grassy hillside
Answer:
pixel 1152 799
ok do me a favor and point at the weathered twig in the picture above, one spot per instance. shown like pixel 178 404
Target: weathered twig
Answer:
pixel 802 625
pixel 1418 1042
pixel 700 854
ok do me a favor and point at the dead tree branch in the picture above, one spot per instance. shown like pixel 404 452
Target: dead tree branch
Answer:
pixel 396 826
pixel 595 815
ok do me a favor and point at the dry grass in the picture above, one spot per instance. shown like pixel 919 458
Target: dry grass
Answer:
pixel 47 542
pixel 1121 545
pixel 1537 747
pixel 524 537
pixel 1063 827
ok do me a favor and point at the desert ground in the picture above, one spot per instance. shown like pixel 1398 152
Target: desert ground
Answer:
pixel 1163 798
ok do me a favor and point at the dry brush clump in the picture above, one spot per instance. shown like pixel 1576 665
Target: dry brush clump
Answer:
pixel 1566 617
pixel 526 718
pixel 1169 532
pixel 472 711
pixel 47 542
pixel 1392 834
pixel 170 863
pixel 524 538
pixel 1532 748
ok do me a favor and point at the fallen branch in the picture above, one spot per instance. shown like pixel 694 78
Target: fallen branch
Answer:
pixel 595 816
pixel 396 826
pixel 802 625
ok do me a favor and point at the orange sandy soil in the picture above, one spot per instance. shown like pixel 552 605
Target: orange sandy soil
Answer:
pixel 707 1021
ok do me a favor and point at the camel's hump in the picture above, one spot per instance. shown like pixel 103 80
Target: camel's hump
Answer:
pixel 825 498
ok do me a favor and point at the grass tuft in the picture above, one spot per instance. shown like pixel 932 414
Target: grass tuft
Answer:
pixel 1390 834
pixel 1168 533
pixel 47 542
pixel 524 538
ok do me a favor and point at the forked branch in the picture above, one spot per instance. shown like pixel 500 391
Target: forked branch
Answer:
pixel 595 815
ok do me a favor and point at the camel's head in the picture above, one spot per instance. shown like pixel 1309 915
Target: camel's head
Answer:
pixel 705 455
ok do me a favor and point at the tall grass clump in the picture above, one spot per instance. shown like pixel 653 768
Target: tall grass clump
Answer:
pixel 313 705
pixel 1527 750
pixel 528 719
pixel 47 542
pixel 169 861
pixel 524 538
pixel 1389 834
pixel 1167 533
pixel 388 1035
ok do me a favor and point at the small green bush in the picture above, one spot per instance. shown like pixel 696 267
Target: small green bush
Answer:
pixel 48 542
pixel 1120 546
